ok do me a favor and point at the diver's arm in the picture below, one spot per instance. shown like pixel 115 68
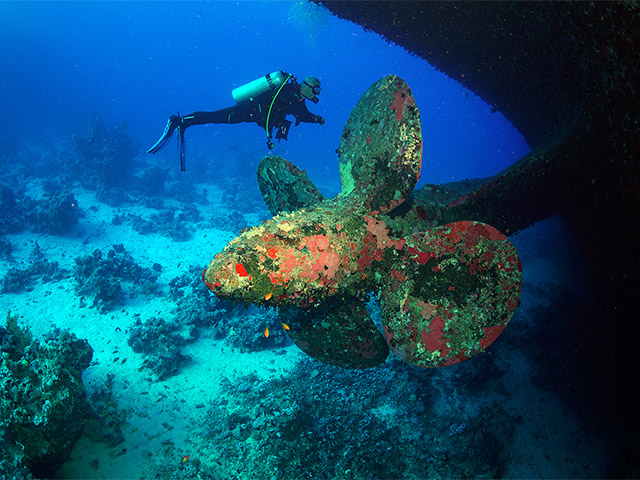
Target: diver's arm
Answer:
pixel 311 118
pixel 294 103
pixel 302 114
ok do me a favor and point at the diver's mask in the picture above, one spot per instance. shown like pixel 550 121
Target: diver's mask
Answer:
pixel 310 88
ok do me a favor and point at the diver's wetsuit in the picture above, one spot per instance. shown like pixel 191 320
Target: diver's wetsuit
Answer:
pixel 288 101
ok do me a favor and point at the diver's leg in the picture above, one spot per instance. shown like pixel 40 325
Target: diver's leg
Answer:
pixel 236 114
pixel 242 112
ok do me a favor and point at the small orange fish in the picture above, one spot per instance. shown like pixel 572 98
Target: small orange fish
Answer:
pixel 185 459
pixel 285 326
pixel 268 296
pixel 266 332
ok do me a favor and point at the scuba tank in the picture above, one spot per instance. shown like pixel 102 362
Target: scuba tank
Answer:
pixel 249 91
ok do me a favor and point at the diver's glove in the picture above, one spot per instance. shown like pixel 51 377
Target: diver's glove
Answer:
pixel 319 120
pixel 174 122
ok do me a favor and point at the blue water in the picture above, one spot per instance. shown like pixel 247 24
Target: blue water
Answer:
pixel 142 61
pixel 516 409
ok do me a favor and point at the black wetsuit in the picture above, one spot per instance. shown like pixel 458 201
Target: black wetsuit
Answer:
pixel 288 101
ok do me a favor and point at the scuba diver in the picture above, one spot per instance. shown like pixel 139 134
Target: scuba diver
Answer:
pixel 266 101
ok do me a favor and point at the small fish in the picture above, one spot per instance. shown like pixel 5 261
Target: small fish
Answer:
pixel 185 459
pixel 268 296
pixel 285 326
pixel 266 332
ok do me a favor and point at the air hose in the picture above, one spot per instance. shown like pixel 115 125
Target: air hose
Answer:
pixel 269 142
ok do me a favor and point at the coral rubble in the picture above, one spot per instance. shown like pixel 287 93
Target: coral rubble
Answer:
pixel 321 421
pixel 102 277
pixel 37 268
pixel 43 408
pixel 103 157
pixel 161 342
pixel 55 214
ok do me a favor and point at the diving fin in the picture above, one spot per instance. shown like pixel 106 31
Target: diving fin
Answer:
pixel 182 150
pixel 164 140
